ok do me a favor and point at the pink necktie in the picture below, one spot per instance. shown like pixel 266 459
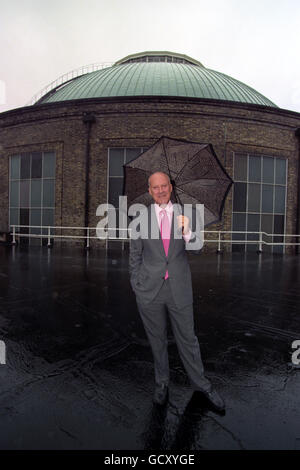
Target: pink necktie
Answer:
pixel 165 233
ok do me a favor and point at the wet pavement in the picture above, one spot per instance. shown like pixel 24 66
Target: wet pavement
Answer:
pixel 79 372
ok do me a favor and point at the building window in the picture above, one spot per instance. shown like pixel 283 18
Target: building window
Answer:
pixel 32 193
pixel 259 200
pixel 117 157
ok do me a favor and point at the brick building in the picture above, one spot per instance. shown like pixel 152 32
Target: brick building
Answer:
pixel 63 156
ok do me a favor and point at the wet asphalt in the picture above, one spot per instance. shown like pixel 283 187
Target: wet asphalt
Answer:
pixel 79 371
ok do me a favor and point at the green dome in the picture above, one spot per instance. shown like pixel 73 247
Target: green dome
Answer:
pixel 156 74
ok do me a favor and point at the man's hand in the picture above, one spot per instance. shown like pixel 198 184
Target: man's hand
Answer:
pixel 184 224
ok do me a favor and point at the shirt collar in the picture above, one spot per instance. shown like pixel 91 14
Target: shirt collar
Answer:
pixel 168 208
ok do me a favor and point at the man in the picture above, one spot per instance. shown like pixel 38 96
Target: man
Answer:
pixel 161 280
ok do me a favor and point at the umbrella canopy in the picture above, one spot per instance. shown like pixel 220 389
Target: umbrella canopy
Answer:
pixel 195 172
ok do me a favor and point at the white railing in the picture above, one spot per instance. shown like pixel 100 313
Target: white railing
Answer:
pixel 50 235
pixel 124 235
pixel 67 77
pixel 258 242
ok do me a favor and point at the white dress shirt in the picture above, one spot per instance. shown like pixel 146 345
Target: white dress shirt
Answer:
pixel 169 210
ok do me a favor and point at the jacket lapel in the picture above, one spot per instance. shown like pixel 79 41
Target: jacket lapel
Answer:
pixel 171 246
pixel 154 230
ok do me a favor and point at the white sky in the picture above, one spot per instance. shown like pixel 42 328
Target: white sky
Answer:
pixel 254 41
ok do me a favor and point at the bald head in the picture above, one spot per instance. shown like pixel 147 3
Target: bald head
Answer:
pixel 158 173
pixel 160 187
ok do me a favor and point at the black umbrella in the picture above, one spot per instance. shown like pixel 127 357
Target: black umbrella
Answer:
pixel 195 172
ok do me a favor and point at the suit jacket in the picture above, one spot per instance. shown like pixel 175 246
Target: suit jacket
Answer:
pixel 148 262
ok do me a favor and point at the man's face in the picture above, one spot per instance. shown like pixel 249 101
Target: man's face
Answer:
pixel 160 188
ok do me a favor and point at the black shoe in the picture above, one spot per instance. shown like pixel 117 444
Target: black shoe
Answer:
pixel 215 400
pixel 160 396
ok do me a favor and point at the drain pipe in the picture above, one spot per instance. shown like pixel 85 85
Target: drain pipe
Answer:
pixel 88 119
pixel 297 134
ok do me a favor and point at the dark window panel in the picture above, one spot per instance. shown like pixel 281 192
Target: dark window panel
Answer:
pixel 253 223
pixel 254 196
pixel 267 198
pixel 14 194
pixel 24 240
pixel 278 228
pixel 25 166
pixel 36 165
pixel 280 171
pixel 35 217
pixel 15 167
pixel 252 246
pixel 240 167
pixel 268 170
pixel 238 222
pixel 24 216
pixel 116 162
pixel 254 168
pixel 47 220
pixel 267 227
pixel 275 247
pixel 49 165
pixel 278 223
pixel 24 220
pixel 239 197
pixel 115 190
pixel 24 193
pixel 48 193
pixel 279 199
pixel 14 217
pixel 238 236
pixel 267 223
pixel 36 193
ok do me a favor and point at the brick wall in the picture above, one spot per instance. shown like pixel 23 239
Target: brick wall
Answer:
pixel 228 127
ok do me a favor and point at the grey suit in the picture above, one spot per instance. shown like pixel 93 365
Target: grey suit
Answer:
pixel 156 296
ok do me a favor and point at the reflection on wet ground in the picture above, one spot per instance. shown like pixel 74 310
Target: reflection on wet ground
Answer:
pixel 79 373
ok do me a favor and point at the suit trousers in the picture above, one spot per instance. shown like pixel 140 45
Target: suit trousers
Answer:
pixel 154 318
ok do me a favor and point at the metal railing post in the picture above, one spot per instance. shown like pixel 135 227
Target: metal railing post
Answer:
pixel 88 238
pixel 260 243
pixel 219 243
pixel 14 235
pixel 49 240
